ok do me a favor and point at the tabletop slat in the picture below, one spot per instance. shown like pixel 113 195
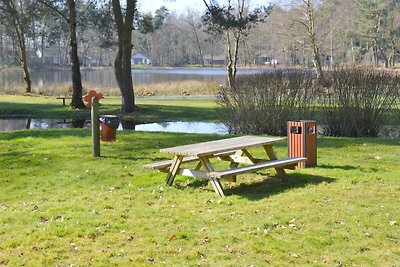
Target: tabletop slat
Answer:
pixel 220 146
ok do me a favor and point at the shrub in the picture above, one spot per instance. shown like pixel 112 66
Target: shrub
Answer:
pixel 263 103
pixel 359 101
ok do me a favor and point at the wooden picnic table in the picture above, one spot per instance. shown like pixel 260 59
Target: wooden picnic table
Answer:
pixel 63 98
pixel 233 150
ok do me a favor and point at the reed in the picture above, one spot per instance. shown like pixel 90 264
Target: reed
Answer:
pixel 360 100
pixel 185 88
pixel 263 103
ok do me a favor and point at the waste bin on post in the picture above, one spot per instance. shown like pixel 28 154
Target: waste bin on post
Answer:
pixel 302 141
pixel 109 125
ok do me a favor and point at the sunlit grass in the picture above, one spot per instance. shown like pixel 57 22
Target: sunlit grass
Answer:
pixel 149 109
pixel 60 206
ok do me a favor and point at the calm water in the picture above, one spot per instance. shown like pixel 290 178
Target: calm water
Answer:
pixel 177 127
pixel 105 78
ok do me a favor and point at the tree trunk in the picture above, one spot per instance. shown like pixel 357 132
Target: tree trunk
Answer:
pixel 123 68
pixel 27 76
pixel 77 101
pixel 18 27
pixel 310 26
pixel 230 66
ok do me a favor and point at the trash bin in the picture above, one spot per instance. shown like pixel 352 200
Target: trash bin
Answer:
pixel 302 141
pixel 109 125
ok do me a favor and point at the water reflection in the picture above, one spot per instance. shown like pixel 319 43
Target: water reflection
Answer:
pixel 22 124
pixel 178 126
pixel 184 127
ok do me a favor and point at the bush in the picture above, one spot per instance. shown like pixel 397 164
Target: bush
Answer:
pixel 263 103
pixel 359 101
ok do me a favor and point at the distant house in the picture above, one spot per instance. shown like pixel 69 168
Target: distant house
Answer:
pixel 265 59
pixel 215 60
pixel 140 59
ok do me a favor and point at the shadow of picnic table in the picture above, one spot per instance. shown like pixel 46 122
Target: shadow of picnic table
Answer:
pixel 268 187
pixel 273 186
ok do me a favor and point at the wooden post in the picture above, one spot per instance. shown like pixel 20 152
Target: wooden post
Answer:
pixel 95 127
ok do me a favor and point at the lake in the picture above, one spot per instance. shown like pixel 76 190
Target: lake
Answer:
pixel 105 79
pixel 176 126
pixel 200 127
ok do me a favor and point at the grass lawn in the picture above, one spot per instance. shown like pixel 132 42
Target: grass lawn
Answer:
pixel 61 207
pixel 149 109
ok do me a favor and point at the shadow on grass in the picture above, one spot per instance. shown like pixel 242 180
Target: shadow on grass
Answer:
pixel 41 110
pixel 343 167
pixel 162 113
pixel 45 133
pixel 266 188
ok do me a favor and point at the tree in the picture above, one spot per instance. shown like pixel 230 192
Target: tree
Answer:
pixel 15 19
pixel 234 22
pixel 151 35
pixel 71 19
pixel 191 20
pixel 377 28
pixel 308 20
pixel 77 101
pixel 123 68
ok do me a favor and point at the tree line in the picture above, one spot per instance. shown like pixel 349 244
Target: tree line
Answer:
pixel 306 33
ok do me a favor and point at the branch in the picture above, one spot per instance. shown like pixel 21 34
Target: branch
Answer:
pixel 55 9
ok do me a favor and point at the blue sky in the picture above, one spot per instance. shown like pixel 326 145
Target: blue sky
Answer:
pixel 180 6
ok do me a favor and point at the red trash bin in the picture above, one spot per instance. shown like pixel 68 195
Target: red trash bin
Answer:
pixel 109 125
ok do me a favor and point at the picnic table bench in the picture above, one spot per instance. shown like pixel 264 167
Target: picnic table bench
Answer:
pixel 233 150
pixel 63 98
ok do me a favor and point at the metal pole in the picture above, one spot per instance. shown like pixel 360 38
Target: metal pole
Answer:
pixel 95 127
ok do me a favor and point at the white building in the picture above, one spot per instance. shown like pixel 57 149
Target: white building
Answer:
pixel 140 59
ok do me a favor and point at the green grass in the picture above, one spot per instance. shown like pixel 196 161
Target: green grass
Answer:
pixel 149 109
pixel 59 206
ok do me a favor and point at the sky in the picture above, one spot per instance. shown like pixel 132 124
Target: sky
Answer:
pixel 180 6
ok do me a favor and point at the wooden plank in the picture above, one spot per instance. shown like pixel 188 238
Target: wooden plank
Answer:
pixel 194 173
pixel 167 163
pixel 63 98
pixel 174 170
pixel 272 156
pixel 279 163
pixel 214 181
pixel 221 146
pixel 241 159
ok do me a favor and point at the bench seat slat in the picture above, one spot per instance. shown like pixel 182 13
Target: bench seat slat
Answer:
pixel 279 163
pixel 167 163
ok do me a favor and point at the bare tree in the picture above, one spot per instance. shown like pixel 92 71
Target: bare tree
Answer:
pixel 71 19
pixel 234 21
pixel 192 21
pixel 13 16
pixel 308 20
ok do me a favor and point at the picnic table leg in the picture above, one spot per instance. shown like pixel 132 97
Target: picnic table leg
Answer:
pixel 272 156
pixel 173 170
pixel 234 165
pixel 214 181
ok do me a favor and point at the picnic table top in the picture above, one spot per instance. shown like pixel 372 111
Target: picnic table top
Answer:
pixel 219 146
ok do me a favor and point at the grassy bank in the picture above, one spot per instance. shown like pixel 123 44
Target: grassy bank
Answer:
pixel 151 89
pixel 149 109
pixel 59 206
